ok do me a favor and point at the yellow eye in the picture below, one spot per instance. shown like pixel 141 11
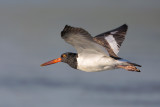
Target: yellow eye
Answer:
pixel 64 56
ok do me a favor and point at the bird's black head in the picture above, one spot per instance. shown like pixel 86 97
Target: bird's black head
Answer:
pixel 68 57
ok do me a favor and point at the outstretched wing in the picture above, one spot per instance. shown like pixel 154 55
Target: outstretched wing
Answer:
pixel 112 40
pixel 81 40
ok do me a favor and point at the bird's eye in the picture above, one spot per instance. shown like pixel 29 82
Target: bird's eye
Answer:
pixel 64 56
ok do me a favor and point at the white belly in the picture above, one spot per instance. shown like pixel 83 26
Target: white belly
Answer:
pixel 93 63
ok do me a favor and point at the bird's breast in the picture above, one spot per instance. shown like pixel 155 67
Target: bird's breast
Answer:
pixel 93 63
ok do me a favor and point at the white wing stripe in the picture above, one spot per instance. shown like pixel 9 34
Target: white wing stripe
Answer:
pixel 112 42
pixel 114 32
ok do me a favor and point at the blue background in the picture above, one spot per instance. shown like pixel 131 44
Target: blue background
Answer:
pixel 30 35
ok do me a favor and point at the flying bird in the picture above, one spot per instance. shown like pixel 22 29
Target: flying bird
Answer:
pixel 97 53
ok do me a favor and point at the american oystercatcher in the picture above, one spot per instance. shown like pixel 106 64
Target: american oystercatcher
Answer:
pixel 97 53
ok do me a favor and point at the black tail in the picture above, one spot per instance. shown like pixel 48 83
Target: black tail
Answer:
pixel 124 60
pixel 135 64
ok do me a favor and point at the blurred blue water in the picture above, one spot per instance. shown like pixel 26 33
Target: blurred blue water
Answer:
pixel 30 35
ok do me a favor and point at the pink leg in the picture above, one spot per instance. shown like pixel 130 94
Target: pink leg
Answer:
pixel 128 68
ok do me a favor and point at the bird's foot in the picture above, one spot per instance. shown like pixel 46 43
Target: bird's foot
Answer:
pixel 128 68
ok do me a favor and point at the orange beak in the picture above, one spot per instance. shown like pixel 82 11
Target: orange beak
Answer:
pixel 51 62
